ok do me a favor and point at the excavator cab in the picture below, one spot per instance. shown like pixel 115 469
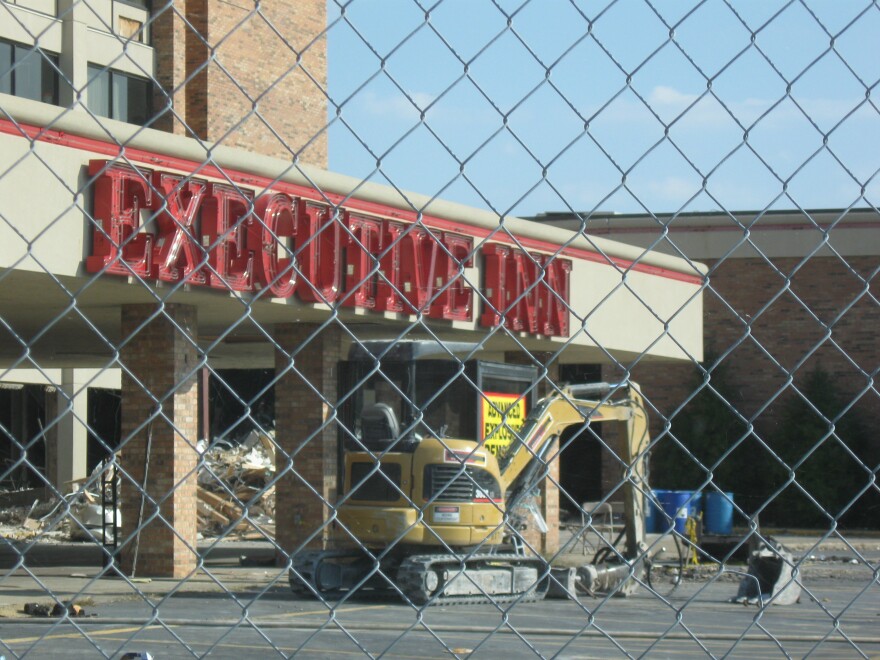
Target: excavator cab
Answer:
pixel 380 430
pixel 433 389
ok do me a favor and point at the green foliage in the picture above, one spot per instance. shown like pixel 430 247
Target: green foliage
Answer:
pixel 828 452
pixel 829 467
pixel 705 428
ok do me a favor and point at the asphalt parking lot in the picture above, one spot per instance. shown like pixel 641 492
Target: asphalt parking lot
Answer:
pixel 232 611
pixel 840 620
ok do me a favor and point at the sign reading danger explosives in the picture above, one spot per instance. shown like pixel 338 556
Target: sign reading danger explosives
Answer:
pixel 501 415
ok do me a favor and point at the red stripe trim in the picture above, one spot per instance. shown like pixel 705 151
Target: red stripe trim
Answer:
pixel 112 150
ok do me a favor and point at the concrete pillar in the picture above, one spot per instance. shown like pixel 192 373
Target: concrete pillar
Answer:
pixel 159 455
pixel 548 505
pixel 73 60
pixel 72 436
pixel 306 461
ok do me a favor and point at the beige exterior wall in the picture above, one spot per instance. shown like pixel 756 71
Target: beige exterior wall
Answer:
pixel 107 378
pixel 626 315
pixel 46 199
pixel 20 22
pixel 46 225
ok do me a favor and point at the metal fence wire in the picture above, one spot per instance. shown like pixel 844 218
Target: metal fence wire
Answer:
pixel 603 383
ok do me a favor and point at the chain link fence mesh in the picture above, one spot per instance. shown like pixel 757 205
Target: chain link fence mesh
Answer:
pixel 230 378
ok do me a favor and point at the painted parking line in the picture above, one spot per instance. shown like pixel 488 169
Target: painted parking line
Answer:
pixel 115 631
pixel 76 635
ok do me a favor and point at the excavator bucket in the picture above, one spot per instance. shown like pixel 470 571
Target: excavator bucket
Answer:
pixel 771 577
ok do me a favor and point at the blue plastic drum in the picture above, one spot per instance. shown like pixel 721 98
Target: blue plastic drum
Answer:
pixel 718 515
pixel 678 505
pixel 654 518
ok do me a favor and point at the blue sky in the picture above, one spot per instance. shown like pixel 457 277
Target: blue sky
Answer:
pixel 525 107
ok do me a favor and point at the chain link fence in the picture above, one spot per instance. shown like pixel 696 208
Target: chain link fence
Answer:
pixel 605 384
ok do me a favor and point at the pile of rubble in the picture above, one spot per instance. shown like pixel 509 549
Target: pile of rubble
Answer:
pixel 235 495
pixel 236 498
pixel 23 523
pixel 78 516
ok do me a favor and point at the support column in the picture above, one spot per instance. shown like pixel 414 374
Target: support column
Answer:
pixel 74 45
pixel 548 504
pixel 612 470
pixel 171 38
pixel 305 396
pixel 159 455
pixel 72 437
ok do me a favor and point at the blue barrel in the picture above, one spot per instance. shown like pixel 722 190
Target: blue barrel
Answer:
pixel 718 516
pixel 678 505
pixel 654 519
pixel 695 507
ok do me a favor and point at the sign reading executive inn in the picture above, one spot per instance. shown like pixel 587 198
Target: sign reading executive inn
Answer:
pixel 128 203
pixel 223 236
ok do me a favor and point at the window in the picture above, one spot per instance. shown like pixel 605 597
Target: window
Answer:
pixel 28 72
pixel 119 96
pixel 128 28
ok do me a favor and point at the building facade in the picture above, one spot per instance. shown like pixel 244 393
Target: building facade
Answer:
pixel 211 71
pixel 166 213
pixel 787 293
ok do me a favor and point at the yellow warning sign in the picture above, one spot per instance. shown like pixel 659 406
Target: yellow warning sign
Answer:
pixel 501 416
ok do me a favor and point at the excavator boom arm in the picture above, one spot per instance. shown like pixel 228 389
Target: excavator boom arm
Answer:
pixel 526 462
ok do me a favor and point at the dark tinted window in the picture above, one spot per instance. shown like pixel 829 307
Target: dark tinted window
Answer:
pixel 119 96
pixel 28 72
pixel 5 68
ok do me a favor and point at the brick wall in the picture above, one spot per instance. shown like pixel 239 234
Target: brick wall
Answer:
pixel 264 88
pixel 306 435
pixel 248 75
pixel 169 40
pixel 770 320
pixel 160 363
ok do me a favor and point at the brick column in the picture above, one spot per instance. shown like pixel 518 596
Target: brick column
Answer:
pixel 306 459
pixel 277 57
pixel 548 504
pixel 170 37
pixel 159 452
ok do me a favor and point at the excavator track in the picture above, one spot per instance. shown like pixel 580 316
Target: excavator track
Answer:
pixel 331 573
pixel 435 579
pixel 441 579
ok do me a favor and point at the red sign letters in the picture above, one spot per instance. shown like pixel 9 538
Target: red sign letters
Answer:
pixel 162 226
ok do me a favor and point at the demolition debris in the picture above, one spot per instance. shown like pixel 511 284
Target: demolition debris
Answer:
pixel 235 492
pixel 236 499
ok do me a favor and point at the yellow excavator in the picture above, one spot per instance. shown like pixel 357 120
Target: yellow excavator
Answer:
pixel 438 520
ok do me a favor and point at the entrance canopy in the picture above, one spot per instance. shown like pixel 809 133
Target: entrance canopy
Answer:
pixel 93 220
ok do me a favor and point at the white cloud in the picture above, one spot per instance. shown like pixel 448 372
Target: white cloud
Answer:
pixel 397 106
pixel 674 188
pixel 669 96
